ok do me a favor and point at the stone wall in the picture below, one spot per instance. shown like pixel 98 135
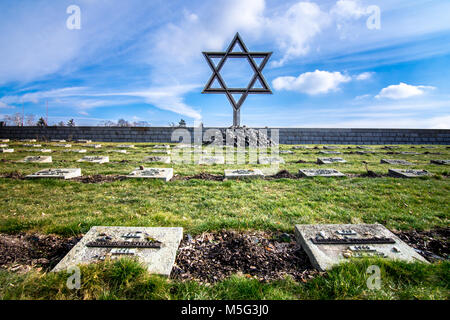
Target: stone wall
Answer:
pixel 286 135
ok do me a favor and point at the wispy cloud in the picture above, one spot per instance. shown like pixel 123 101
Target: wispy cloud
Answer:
pixel 403 91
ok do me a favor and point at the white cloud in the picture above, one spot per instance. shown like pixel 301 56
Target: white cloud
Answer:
pixel 348 9
pixel 5 106
pixel 364 76
pixel 403 91
pixel 312 82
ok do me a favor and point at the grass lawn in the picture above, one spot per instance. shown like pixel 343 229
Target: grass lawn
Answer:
pixel 71 207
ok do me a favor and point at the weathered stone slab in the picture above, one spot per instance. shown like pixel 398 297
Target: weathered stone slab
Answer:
pixel 363 147
pixel 57 173
pixel 208 160
pixel 37 159
pixel 300 147
pixel 126 146
pixel 243 173
pixel 160 151
pixel 286 152
pixel 440 161
pixel 76 150
pixel 56 140
pixel 119 151
pixel 152 173
pixel 396 161
pixel 391 147
pixel 330 152
pixel 3 145
pixel 157 159
pixel 330 147
pixel 4 140
pixel 270 160
pixel 409 153
pixel 95 146
pixel 40 150
pixel 320 173
pixel 351 241
pixel 364 152
pixel 158 260
pixel 94 159
pixel 63 145
pixel 3 150
pixel 32 145
pixel 84 141
pixel 408 173
pixel 330 160
pixel 28 140
pixel 160 146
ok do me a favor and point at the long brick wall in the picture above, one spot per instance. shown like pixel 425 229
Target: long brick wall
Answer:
pixel 286 135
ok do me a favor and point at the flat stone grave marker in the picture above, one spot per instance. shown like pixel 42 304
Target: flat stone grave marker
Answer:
pixel 320 173
pixel 300 147
pixel 286 152
pixel 157 159
pixel 409 152
pixel 4 140
pixel 94 159
pixel 28 140
pixel 57 173
pixel 156 248
pixel 391 147
pixel 363 147
pixel 330 147
pixel 243 173
pixel 62 145
pixel 95 146
pixel 329 152
pixel 396 161
pixel 329 244
pixel 57 140
pixel 440 161
pixel 76 150
pixel 152 173
pixel 428 147
pixel 2 150
pixel 208 160
pixel 161 151
pixel 3 145
pixel 126 146
pixel 270 160
pixel 37 159
pixel 364 152
pixel 119 151
pixel 163 146
pixel 408 173
pixel 40 150
pixel 84 141
pixel 330 160
pixel 32 145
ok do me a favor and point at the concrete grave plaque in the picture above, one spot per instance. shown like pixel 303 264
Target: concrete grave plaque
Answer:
pixel 243 173
pixel 3 145
pixel 363 147
pixel 408 173
pixel 440 161
pixel 63 145
pixel 94 159
pixel 119 151
pixel 270 160
pixel 208 160
pixel 330 147
pixel 165 146
pixel 320 173
pixel 126 146
pixel 329 152
pixel 77 150
pixel 300 147
pixel 4 140
pixel 2 150
pixel 156 248
pixel 56 140
pixel 286 152
pixel 152 173
pixel 40 150
pixel 391 147
pixel 157 159
pixel 84 141
pixel 330 160
pixel 396 161
pixel 37 159
pixel 330 244
pixel 364 152
pixel 32 145
pixel 95 146
pixel 160 151
pixel 28 140
pixel 410 153
pixel 57 173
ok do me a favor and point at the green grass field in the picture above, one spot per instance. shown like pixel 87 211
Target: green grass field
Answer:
pixel 71 207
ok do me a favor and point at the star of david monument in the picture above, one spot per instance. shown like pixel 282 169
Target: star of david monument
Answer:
pixel 237 96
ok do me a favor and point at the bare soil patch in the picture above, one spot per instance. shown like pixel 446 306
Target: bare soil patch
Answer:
pixel 99 178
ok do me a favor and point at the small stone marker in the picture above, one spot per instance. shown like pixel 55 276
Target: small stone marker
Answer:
pixel 57 173
pixel 4 140
pixel 331 244
pixel 164 146
pixel 330 147
pixel 329 152
pixel 37 159
pixel 2 150
pixel 119 151
pixel 363 147
pixel 40 150
pixel 28 140
pixel 208 160
pixel 76 150
pixel 391 147
pixel 364 152
pixel 156 248
pixel 84 141
pixel 126 146
pixel 330 160
pixel 320 173
pixel 94 159
pixel 396 161
pixel 440 161
pixel 160 151
pixel 408 173
pixel 152 173
pixel 270 160
pixel 3 145
pixel 410 153
pixel 243 173
pixel 286 152
pixel 63 145
pixel 300 147
pixel 32 145
pixel 95 146
pixel 157 159
pixel 56 140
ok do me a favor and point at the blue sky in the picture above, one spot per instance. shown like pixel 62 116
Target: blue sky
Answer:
pixel 141 60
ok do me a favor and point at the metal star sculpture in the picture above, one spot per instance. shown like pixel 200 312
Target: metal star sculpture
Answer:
pixel 243 91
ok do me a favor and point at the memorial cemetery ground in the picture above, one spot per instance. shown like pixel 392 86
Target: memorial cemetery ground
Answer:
pixel 229 224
